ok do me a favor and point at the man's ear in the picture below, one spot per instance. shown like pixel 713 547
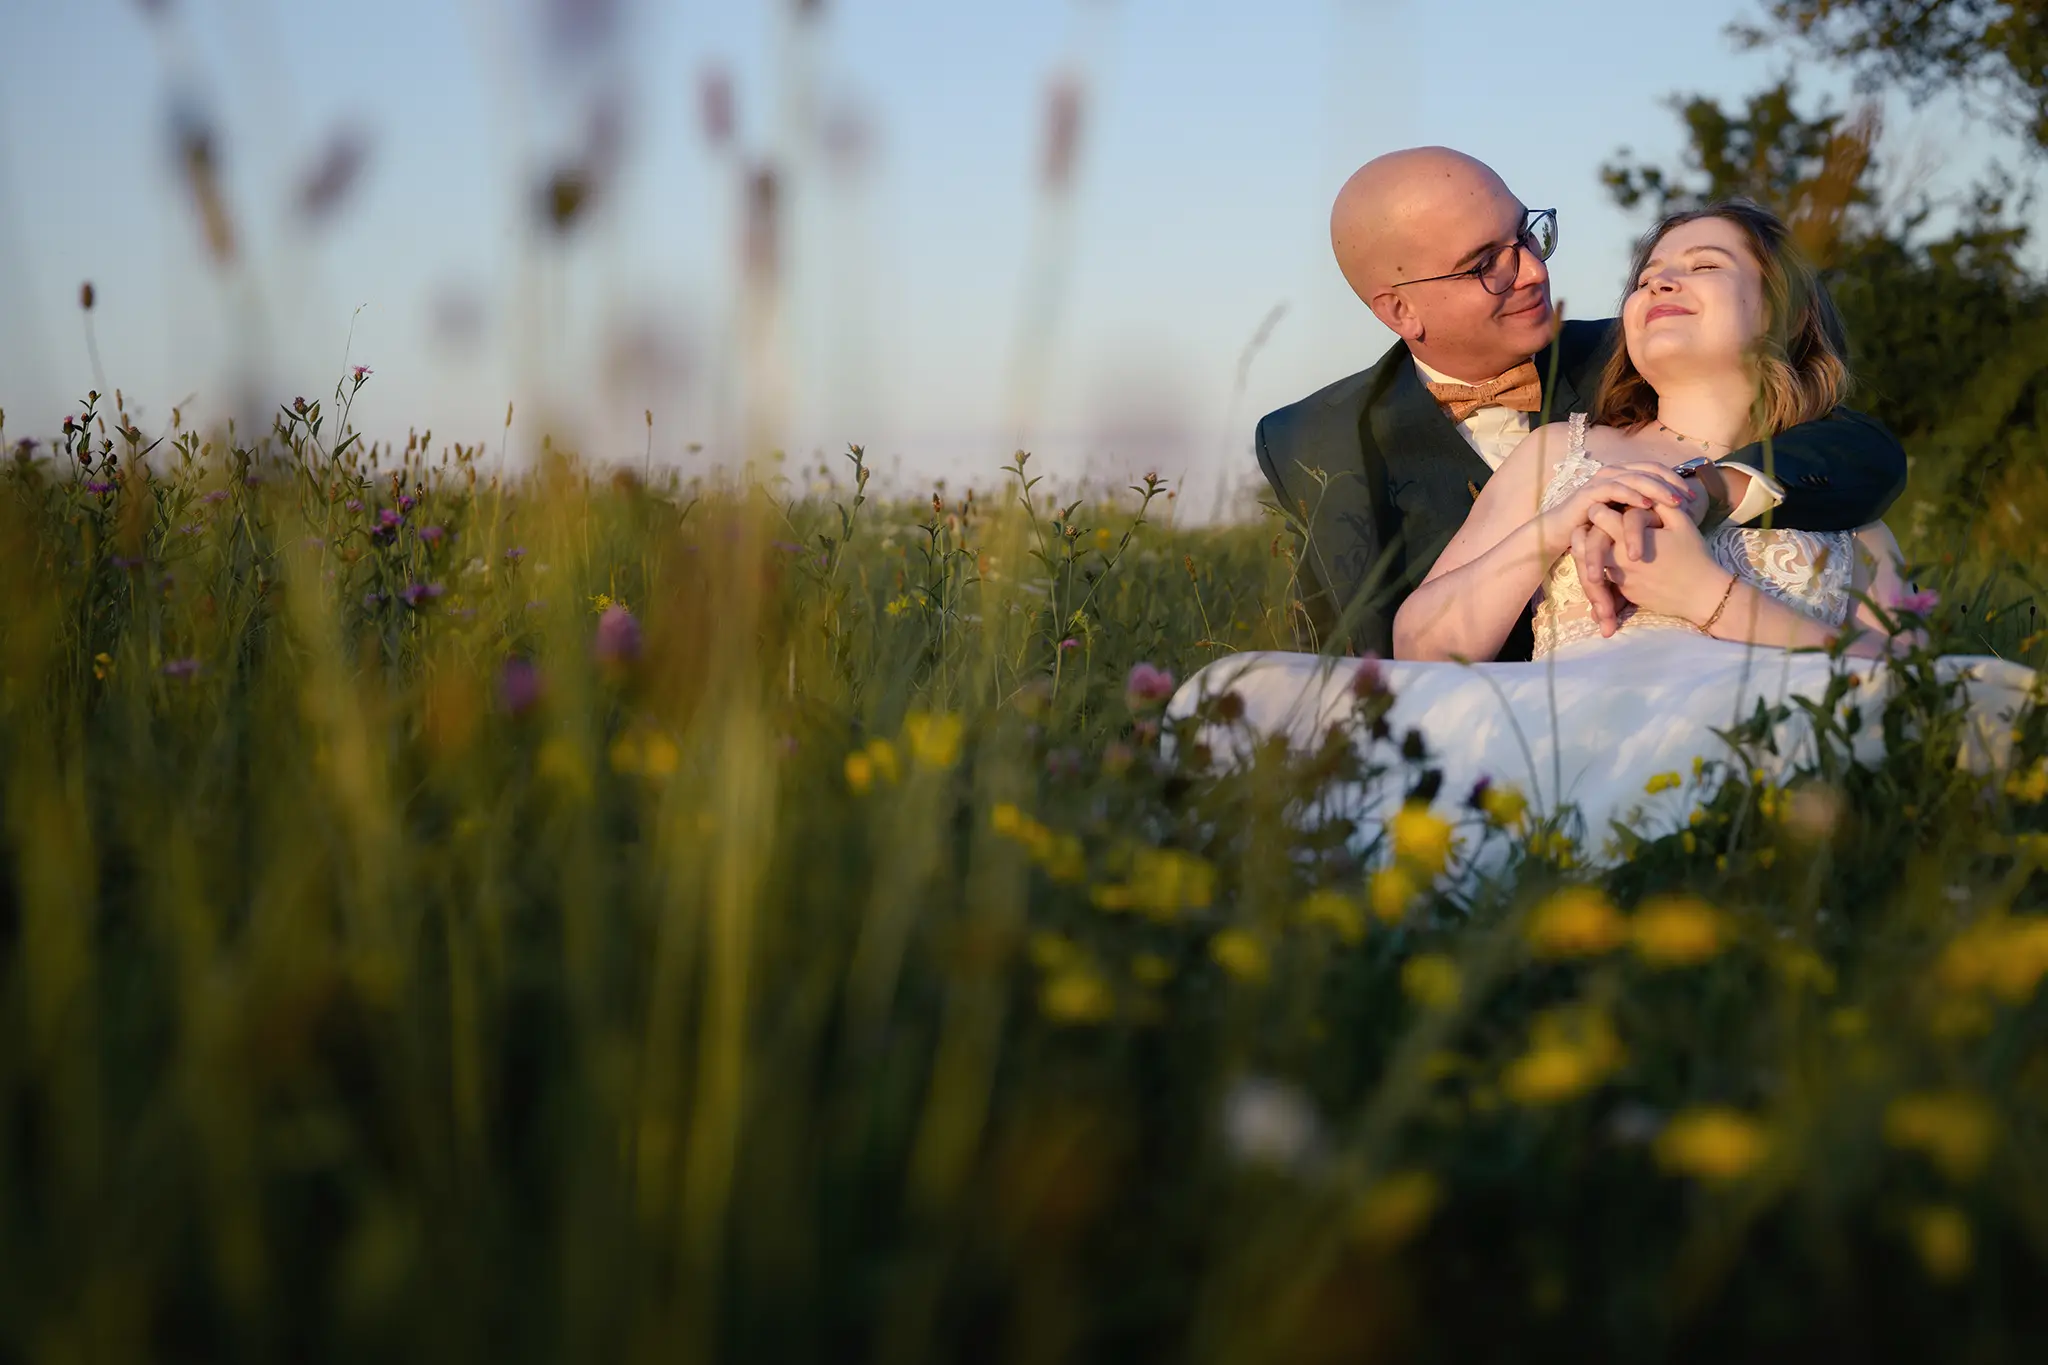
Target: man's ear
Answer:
pixel 1392 307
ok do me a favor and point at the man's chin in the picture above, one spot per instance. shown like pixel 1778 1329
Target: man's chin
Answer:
pixel 1535 325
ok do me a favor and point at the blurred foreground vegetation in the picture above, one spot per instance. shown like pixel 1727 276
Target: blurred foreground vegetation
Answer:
pixel 450 916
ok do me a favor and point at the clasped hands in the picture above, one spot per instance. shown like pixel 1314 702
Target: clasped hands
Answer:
pixel 1635 537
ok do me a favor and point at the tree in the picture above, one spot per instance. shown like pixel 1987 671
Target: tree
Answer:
pixel 1995 49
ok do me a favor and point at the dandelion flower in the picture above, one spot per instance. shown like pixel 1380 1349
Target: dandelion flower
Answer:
pixel 1577 921
pixel 1954 1129
pixel 1432 980
pixel 1941 1239
pixel 1677 931
pixel 1422 838
pixel 1396 1209
pixel 934 739
pixel 1712 1143
pixel 1242 954
pixel 1662 782
pixel 1336 911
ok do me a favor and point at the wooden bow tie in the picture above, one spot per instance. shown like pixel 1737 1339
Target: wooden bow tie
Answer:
pixel 1520 388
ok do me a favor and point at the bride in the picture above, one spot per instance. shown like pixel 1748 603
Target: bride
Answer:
pixel 1729 338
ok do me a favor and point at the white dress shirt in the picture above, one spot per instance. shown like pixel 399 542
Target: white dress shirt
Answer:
pixel 1494 433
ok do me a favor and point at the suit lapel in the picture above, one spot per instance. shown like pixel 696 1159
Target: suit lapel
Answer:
pixel 1432 474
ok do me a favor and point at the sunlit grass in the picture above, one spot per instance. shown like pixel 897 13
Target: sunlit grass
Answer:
pixel 455 914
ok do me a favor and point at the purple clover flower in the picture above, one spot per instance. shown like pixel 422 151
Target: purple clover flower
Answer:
pixel 354 504
pixel 618 636
pixel 406 503
pixel 520 687
pixel 389 519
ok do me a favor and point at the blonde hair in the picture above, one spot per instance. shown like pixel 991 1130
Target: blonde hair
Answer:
pixel 1800 358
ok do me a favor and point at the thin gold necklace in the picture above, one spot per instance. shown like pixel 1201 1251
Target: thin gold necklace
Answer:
pixel 1689 440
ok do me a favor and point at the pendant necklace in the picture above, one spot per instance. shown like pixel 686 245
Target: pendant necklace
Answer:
pixel 1688 440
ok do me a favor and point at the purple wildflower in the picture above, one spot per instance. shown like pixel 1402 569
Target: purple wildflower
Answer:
pixel 98 486
pixel 520 687
pixel 181 668
pixel 1147 686
pixel 371 599
pixel 354 504
pixel 416 593
pixel 1369 680
pixel 1069 643
pixel 618 636
pixel 123 562
pixel 216 497
pixel 1921 603
pixel 388 519
pixel 362 372
pixel 192 528
pixel 254 481
pixel 516 553
pixel 406 503
pixel 431 534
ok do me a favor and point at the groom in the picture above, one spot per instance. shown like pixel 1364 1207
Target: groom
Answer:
pixel 1379 470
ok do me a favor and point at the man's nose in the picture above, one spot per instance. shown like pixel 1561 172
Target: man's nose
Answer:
pixel 1532 271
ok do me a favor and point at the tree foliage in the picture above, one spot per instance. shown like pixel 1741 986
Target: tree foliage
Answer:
pixel 1997 49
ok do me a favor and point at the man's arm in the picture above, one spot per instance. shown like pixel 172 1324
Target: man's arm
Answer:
pixel 1349 579
pixel 1835 473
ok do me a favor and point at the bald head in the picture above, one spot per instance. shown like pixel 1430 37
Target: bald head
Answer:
pixel 1403 216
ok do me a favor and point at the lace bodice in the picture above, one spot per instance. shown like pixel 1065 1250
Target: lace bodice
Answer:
pixel 1810 571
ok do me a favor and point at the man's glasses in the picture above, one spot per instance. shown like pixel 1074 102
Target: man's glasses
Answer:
pixel 1499 268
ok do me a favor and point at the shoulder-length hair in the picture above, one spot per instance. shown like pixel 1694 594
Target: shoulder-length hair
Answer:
pixel 1800 358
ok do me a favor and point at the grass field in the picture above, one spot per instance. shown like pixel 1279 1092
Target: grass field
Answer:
pixel 561 916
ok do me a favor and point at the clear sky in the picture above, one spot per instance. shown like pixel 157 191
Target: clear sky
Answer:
pixel 921 276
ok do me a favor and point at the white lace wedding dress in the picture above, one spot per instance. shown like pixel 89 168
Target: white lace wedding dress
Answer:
pixel 1591 720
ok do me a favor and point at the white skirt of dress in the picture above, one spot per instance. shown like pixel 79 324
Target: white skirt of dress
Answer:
pixel 1590 725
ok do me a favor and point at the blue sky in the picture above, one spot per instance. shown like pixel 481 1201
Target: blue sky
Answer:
pixel 1214 137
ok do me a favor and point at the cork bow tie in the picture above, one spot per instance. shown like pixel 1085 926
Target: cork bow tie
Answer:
pixel 1520 388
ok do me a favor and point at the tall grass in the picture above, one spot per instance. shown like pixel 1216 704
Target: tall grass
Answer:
pixel 452 915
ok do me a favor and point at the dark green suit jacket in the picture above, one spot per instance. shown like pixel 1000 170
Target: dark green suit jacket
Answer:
pixel 1375 480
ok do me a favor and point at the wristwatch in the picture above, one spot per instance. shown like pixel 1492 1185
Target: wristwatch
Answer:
pixel 1692 467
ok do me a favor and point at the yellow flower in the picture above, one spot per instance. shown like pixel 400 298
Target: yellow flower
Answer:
pixel 1006 819
pixel 860 772
pixel 1802 968
pixel 648 753
pixel 2006 957
pixel 1941 1238
pixel 1336 910
pixel 882 756
pixel 1241 954
pixel 934 739
pixel 898 605
pixel 1955 1129
pixel 2029 788
pixel 1396 1208
pixel 1689 842
pixel 603 603
pixel 1576 921
pixel 1570 1052
pixel 1663 782
pixel 1505 806
pixel 1712 1143
pixel 1421 837
pixel 1392 890
pixel 1150 969
pixel 1163 882
pixel 1076 994
pixel 1677 931
pixel 1050 951
pixel 1432 980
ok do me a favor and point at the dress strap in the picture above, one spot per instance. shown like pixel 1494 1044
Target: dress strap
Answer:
pixel 1577 426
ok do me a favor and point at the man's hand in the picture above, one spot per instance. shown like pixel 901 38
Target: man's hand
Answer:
pixel 1601 561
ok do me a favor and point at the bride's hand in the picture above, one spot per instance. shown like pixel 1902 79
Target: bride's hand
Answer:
pixel 1673 575
pixel 1641 484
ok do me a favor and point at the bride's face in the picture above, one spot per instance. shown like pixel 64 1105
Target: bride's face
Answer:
pixel 1698 304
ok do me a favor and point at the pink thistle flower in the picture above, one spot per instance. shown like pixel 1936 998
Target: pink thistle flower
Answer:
pixel 1148 686
pixel 1370 680
pixel 362 372
pixel 1069 643
pixel 520 687
pixel 618 636
pixel 1921 603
